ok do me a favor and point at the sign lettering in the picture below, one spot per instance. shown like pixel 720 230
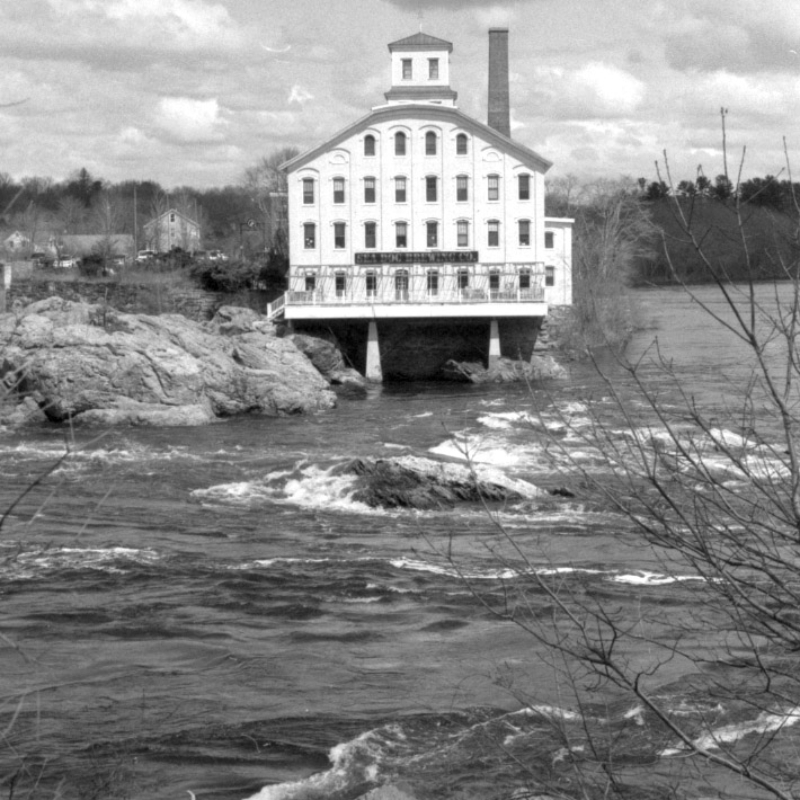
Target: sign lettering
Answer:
pixel 433 257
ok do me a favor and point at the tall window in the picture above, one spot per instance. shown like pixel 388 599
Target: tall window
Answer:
pixel 431 194
pixel 340 283
pixel 524 233
pixel 462 188
pixel 430 143
pixel 549 240
pixel 432 233
pixel 494 187
pixel 494 283
pixel 401 284
pixel 462 233
pixel 308 191
pixel 311 282
pixel 549 276
pixel 525 279
pixel 433 69
pixel 461 144
pixel 372 284
pixel 524 187
pixel 369 190
pixel 463 279
pixel 494 233
pixel 309 235
pixel 370 235
pixel 338 190
pixel 400 144
pixel 400 234
pixel 339 235
pixel 433 282
pixel 400 190
pixel 407 69
pixel 369 145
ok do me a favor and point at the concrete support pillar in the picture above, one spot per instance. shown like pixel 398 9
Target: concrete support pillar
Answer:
pixel 494 343
pixel 373 372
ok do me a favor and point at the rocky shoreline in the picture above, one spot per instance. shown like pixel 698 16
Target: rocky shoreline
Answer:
pixel 80 363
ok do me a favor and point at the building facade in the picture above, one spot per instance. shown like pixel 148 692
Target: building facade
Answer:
pixel 417 212
pixel 172 230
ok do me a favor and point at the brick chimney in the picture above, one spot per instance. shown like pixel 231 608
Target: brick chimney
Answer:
pixel 499 105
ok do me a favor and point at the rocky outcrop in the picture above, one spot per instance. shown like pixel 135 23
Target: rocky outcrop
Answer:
pixel 423 483
pixel 506 370
pixel 330 363
pixel 91 363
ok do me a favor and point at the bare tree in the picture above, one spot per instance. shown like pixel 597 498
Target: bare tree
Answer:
pixel 719 510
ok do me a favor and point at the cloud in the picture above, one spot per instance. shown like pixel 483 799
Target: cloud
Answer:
pixel 299 95
pixel 596 90
pixel 190 121
pixel 735 35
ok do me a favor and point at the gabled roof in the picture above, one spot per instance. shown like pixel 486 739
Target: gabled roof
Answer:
pixel 171 211
pixel 421 40
pixel 428 111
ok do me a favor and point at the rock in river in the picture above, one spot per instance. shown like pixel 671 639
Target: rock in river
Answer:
pixel 423 483
pixel 91 363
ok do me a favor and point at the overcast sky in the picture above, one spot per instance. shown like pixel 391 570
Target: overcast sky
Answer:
pixel 191 92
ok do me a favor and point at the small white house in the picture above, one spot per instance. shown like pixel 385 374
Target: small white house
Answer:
pixel 172 230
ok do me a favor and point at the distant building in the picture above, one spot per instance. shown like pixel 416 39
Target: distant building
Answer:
pixel 16 242
pixel 419 216
pixel 172 230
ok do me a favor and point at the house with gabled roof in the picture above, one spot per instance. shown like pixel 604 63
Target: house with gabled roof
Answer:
pixel 171 230
pixel 418 227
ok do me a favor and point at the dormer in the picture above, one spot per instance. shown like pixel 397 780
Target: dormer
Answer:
pixel 421 71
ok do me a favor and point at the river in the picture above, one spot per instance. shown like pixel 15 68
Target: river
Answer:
pixel 206 610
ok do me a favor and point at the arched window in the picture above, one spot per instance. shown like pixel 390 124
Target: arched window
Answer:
pixel 369 145
pixel 461 144
pixel 400 144
pixel 524 186
pixel 430 143
pixel 308 191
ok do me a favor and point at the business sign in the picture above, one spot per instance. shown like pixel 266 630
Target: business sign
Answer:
pixel 430 257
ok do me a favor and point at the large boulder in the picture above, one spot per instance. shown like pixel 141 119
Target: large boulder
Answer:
pixel 91 363
pixel 424 483
pixel 329 361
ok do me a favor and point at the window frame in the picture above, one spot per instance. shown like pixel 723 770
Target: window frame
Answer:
pixel 400 143
pixel 433 69
pixel 523 186
pixel 400 186
pixel 308 192
pixel 549 276
pixel 369 146
pixel 401 230
pixel 370 235
pixel 462 192
pixel 432 282
pixel 493 233
pixel 462 150
pixel 339 235
pixel 524 233
pixel 407 69
pixel 431 143
pixel 432 227
pixel 339 191
pixel 309 227
pixel 370 191
pixel 431 189
pixel 493 188
pixel 340 283
pixel 462 233
pixel 549 240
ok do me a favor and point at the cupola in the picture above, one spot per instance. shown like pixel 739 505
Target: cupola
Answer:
pixel 421 71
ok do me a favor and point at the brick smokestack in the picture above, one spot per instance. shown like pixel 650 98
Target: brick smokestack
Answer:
pixel 499 104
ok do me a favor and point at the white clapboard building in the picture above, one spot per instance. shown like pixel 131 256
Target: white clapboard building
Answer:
pixel 418 216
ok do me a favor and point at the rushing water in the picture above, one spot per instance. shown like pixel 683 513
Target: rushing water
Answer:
pixel 206 610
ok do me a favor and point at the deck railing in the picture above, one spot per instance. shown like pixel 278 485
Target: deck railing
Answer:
pixel 393 295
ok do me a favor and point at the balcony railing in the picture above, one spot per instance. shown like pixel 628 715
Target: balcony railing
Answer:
pixel 393 295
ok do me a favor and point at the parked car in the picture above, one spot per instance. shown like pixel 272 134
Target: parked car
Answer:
pixel 217 255
pixel 143 256
pixel 66 262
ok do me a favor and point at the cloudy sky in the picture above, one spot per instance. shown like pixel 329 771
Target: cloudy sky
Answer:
pixel 191 92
